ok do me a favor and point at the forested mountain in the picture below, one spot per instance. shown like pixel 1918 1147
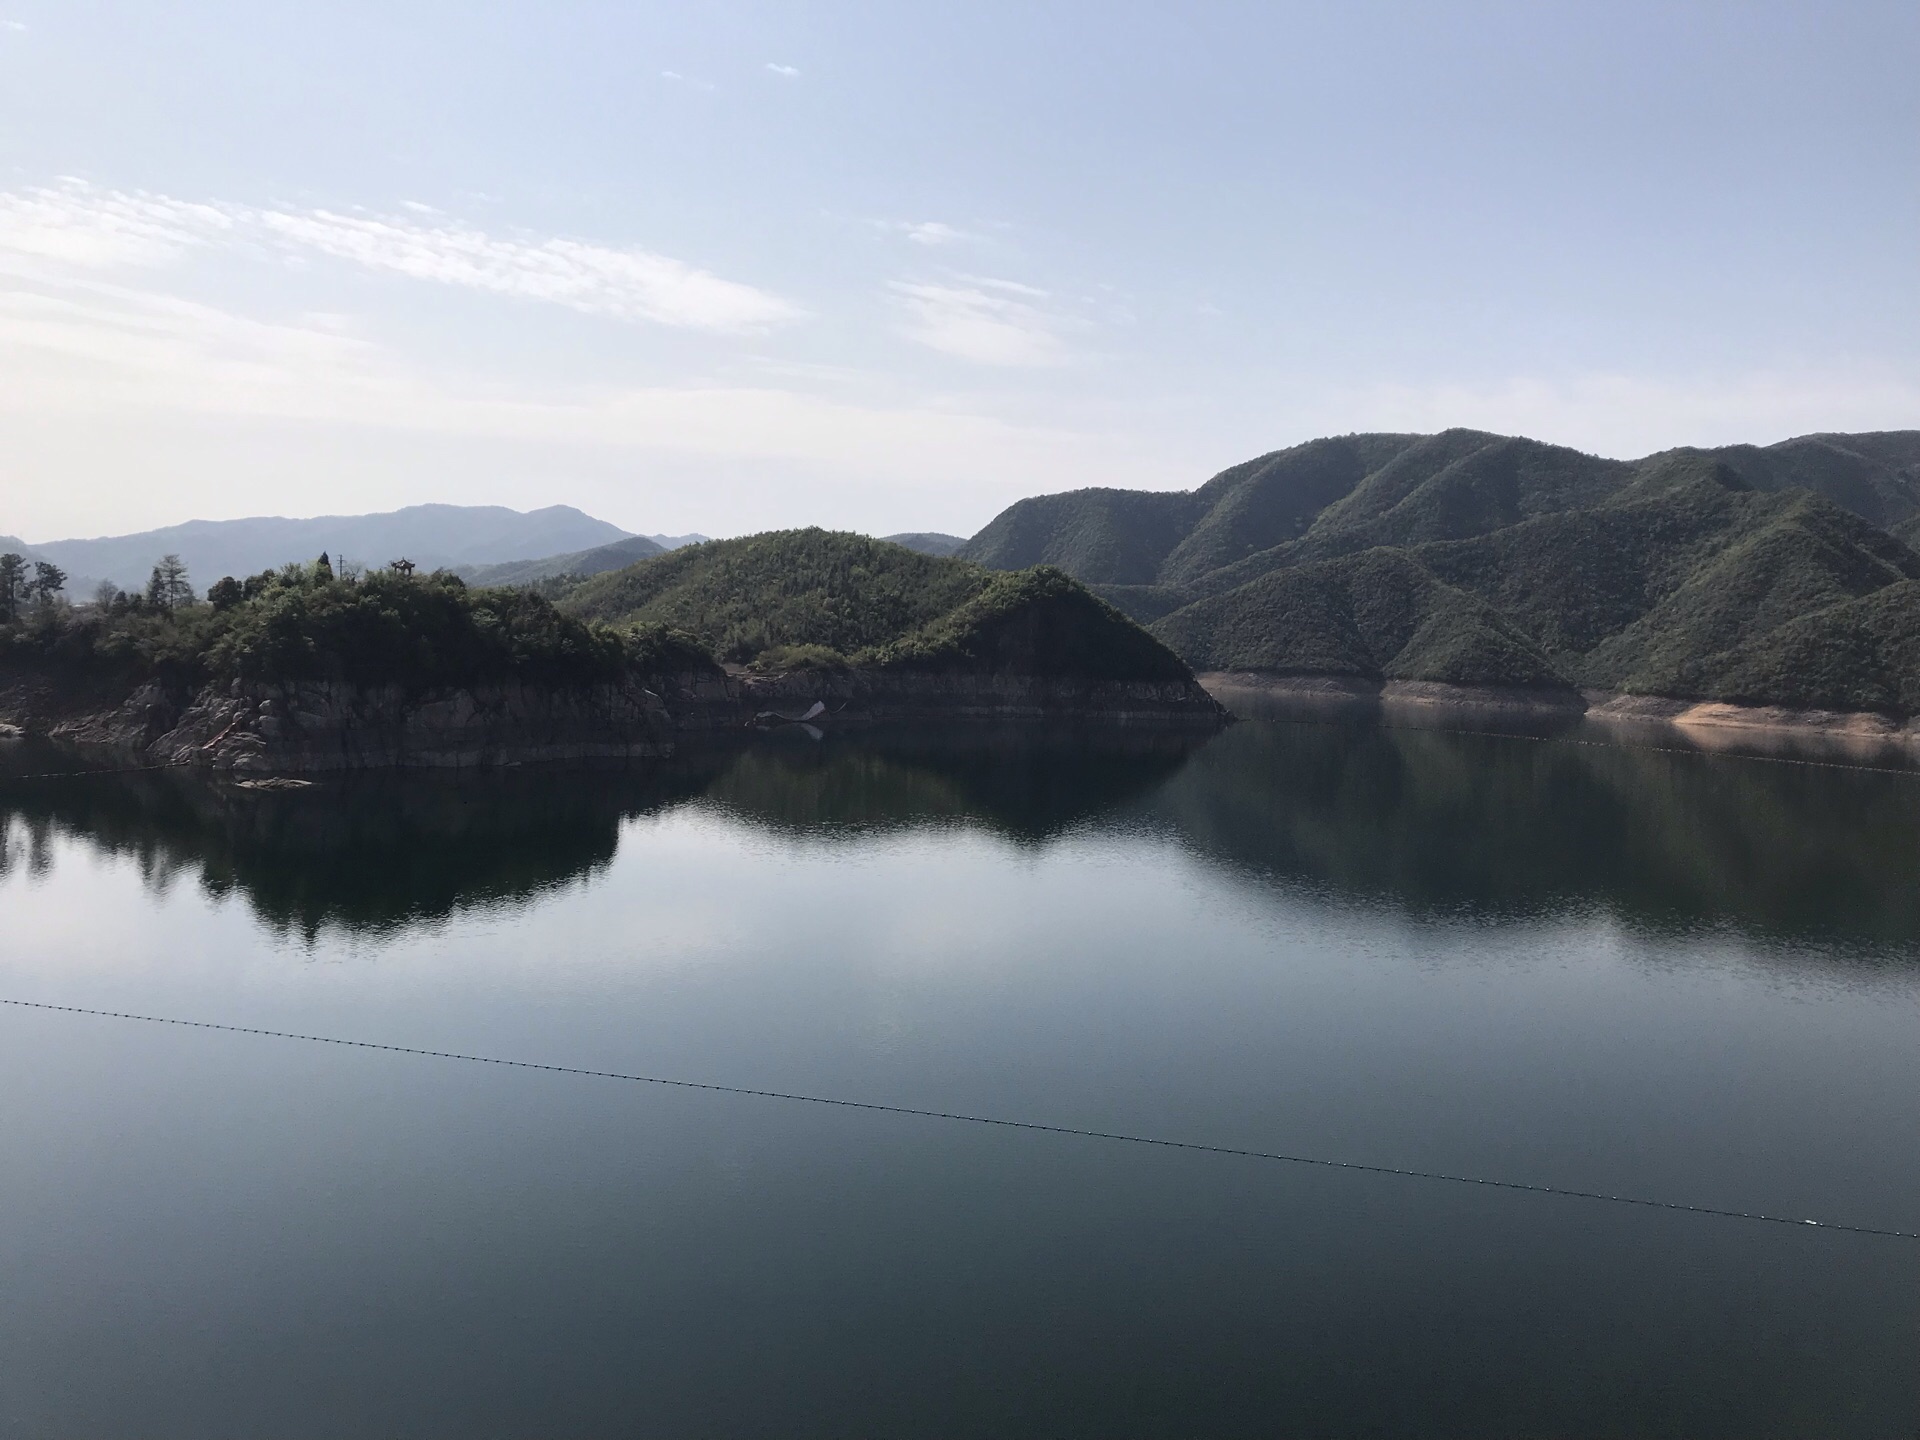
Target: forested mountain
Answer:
pixel 827 597
pixel 929 542
pixel 1770 575
pixel 596 561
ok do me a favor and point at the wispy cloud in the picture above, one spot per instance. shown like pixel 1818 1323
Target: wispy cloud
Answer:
pixel 595 279
pixel 990 322
pixel 76 224
pixel 690 81
pixel 787 70
pixel 931 233
pixel 19 27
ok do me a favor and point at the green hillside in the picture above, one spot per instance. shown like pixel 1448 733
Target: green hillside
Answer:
pixel 789 587
pixel 1035 622
pixel 1117 537
pixel 578 562
pixel 304 622
pixel 1381 615
pixel 928 542
pixel 1338 496
pixel 1476 558
pixel 823 597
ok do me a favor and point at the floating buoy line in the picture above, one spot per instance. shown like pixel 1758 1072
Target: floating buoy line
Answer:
pixel 998 1122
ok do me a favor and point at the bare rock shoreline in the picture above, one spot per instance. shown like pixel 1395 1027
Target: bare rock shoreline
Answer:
pixel 250 729
pixel 1702 721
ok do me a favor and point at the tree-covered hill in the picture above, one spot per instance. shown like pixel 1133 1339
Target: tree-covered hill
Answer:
pixel 1381 615
pixel 596 561
pixel 1038 622
pixel 1345 494
pixel 824 597
pixel 1483 559
pixel 304 622
pixel 845 593
pixel 794 600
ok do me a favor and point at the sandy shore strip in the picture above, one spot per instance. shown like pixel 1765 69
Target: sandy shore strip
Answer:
pixel 1703 724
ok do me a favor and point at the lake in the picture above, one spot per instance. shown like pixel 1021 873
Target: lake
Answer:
pixel 1551 960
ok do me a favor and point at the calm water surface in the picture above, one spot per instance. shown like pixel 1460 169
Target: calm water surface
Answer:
pixel 1681 976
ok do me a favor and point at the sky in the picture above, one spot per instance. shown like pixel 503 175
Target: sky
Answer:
pixel 730 267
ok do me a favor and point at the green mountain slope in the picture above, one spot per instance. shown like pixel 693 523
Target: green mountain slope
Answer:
pixel 596 561
pixel 789 587
pixel 1115 537
pixel 1037 622
pixel 1858 654
pixel 1876 475
pixel 928 542
pixel 1339 496
pixel 1381 615
pixel 1485 559
pixel 821 596
pixel 1675 594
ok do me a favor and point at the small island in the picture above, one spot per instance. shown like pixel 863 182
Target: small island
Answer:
pixel 310 668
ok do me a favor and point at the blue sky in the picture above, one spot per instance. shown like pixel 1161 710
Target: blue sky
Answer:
pixel 731 266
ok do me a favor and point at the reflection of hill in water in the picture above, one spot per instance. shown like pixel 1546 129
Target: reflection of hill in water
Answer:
pixel 384 851
pixel 1024 784
pixel 1424 821
pixel 1438 822
pixel 369 854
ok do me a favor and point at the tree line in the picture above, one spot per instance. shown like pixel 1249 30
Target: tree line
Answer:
pixel 23 584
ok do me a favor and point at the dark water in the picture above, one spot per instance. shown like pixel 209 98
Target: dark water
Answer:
pixel 1680 976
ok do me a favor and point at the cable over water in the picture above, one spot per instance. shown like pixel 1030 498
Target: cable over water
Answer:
pixel 1000 1122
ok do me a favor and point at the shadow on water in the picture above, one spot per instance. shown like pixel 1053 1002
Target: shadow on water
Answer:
pixel 378 852
pixel 1429 822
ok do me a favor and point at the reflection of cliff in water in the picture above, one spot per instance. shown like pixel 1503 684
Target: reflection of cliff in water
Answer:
pixel 1444 822
pixel 385 850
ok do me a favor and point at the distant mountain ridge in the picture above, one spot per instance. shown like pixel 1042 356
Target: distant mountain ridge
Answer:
pixel 596 561
pixel 1771 575
pixel 929 542
pixel 432 536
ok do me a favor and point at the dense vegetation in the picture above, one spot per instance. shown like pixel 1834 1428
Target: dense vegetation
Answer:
pixel 596 561
pixel 824 598
pixel 1772 576
pixel 928 542
pixel 1341 495
pixel 786 600
pixel 306 622
pixel 1036 622
pixel 836 592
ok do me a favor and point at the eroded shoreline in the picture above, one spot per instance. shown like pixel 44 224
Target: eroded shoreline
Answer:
pixel 1704 725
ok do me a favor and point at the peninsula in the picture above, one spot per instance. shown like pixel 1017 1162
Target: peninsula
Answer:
pixel 307 668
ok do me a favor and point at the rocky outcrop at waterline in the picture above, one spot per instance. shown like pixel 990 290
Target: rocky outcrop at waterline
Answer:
pixel 309 726
pixel 315 726
pixel 310 672
pixel 877 695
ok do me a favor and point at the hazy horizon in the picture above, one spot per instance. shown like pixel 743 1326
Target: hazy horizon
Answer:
pixel 533 509
pixel 888 270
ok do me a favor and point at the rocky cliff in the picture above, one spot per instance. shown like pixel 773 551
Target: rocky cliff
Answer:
pixel 312 726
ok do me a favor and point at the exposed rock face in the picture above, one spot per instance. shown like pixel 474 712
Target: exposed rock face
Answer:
pixel 323 725
pixel 301 727
pixel 904 694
